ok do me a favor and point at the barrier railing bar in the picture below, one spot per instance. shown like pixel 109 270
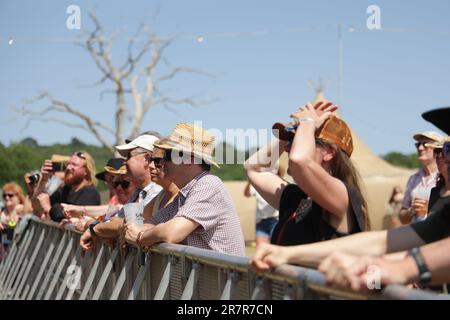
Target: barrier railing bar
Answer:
pixel 18 264
pixel 139 278
pixel 105 274
pixel 165 281
pixel 4 264
pixel 258 292
pixel 92 274
pixel 228 290
pixel 23 269
pixel 74 286
pixel 191 284
pixel 37 279
pixel 18 234
pixel 37 248
pixel 64 283
pixel 52 266
pixel 60 267
pixel 123 275
pixel 13 256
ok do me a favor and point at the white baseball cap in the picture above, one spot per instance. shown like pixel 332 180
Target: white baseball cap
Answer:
pixel 431 135
pixel 144 141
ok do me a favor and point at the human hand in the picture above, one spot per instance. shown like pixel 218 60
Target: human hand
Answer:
pixel 46 169
pixel 360 274
pixel 73 211
pixel 131 232
pixel 269 256
pixel 419 207
pixel 87 241
pixel 319 113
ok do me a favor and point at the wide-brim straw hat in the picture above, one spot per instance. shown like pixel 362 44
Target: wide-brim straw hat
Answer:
pixel 188 138
pixel 334 130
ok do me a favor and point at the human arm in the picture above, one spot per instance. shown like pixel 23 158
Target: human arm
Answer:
pixel 364 243
pixel 354 273
pixel 173 231
pixel 71 210
pixel 307 172
pixel 258 170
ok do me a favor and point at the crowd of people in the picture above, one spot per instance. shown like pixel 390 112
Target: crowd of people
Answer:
pixel 161 190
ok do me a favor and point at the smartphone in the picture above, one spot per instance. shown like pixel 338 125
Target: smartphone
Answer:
pixel 58 166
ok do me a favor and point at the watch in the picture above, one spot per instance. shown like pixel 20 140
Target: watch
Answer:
pixel 424 273
pixel 91 227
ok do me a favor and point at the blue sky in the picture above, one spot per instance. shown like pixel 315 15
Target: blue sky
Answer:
pixel 262 54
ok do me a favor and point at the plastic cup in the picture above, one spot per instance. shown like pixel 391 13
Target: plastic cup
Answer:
pixel 134 213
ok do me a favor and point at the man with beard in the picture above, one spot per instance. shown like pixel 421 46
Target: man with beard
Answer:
pixel 79 187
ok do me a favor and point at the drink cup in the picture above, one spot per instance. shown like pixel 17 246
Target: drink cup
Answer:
pixel 134 213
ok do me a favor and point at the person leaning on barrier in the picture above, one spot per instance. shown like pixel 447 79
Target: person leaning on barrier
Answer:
pixel 426 265
pixel 375 243
pixel 169 189
pixel 114 167
pixel 79 186
pixel 137 164
pixel 123 189
pixel 202 214
pixel 326 202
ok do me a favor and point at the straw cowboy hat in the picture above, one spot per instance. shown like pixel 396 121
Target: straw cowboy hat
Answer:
pixel 191 139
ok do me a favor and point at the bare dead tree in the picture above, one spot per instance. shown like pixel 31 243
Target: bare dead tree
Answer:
pixel 136 77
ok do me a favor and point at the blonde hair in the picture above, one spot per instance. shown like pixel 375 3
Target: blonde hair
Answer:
pixel 16 189
pixel 90 167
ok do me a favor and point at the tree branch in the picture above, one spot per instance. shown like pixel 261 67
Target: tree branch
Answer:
pixel 60 106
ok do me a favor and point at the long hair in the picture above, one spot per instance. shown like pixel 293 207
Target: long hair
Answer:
pixel 90 167
pixel 342 168
pixel 16 189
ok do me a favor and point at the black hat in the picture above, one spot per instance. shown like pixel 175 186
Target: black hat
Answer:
pixel 114 163
pixel 440 118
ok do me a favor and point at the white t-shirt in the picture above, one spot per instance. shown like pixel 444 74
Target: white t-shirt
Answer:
pixel 263 209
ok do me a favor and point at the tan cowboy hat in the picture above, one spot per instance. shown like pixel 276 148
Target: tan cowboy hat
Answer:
pixel 194 140
pixel 334 130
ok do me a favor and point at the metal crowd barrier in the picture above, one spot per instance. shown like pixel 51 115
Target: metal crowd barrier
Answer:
pixel 46 262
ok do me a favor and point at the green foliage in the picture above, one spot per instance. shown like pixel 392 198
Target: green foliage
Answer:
pixel 27 155
pixel 402 160
pixel 230 172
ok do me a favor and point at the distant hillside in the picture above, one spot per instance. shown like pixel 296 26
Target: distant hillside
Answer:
pixel 28 155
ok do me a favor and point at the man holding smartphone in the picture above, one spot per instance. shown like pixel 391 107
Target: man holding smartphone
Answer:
pixel 79 186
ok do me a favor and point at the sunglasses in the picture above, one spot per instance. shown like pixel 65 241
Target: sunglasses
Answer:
pixel 8 195
pixel 80 154
pixel 157 161
pixel 132 154
pixel 418 144
pixel 124 184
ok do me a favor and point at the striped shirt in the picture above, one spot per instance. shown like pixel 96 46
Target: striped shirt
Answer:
pixel 206 201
